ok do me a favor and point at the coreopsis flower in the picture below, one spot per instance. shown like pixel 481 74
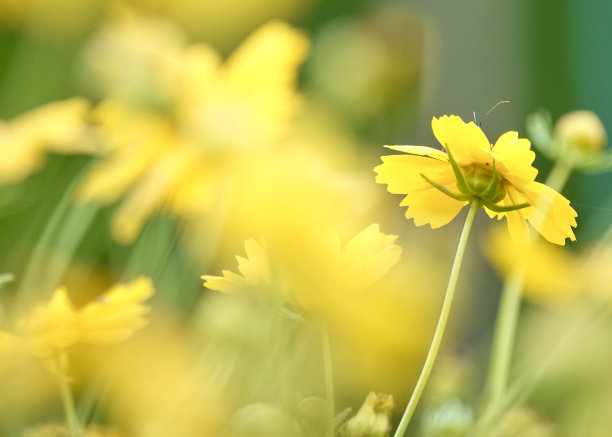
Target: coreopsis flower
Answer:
pixel 313 271
pixel 498 177
pixel 57 127
pixel 52 327
pixel 551 274
pixel 178 152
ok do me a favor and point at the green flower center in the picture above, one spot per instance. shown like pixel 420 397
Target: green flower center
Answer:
pixel 483 183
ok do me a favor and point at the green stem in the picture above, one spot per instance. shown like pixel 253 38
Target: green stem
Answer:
pixel 509 308
pixel 67 400
pixel 505 329
pixel 329 376
pixel 442 321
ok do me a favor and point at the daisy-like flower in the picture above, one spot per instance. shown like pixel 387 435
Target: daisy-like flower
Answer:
pixel 184 122
pixel 313 272
pixel 498 177
pixel 52 327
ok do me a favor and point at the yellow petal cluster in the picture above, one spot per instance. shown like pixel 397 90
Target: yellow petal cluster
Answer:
pixel 313 271
pixel 176 148
pixel 548 212
pixel 57 127
pixel 54 326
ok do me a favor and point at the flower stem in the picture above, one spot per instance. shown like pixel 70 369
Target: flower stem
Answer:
pixel 509 307
pixel 329 377
pixel 67 400
pixel 505 329
pixel 442 321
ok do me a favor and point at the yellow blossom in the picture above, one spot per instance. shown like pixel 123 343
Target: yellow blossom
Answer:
pixel 500 177
pixel 25 140
pixel 551 273
pixel 313 272
pixel 180 158
pixel 52 327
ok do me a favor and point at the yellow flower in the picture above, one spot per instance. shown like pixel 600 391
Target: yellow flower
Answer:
pixel 499 177
pixel 51 328
pixel 551 273
pixel 313 271
pixel 582 129
pixel 214 114
pixel 55 127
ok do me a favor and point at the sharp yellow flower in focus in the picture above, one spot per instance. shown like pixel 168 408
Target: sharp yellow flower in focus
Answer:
pixel 180 130
pixel 52 327
pixel 499 177
pixel 312 272
pixel 57 127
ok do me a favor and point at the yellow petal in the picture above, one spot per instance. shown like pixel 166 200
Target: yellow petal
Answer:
pixel 421 150
pixel 466 141
pixel 513 158
pixel 551 214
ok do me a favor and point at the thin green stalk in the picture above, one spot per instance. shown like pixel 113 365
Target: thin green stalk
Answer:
pixel 441 326
pixel 329 377
pixel 67 400
pixel 509 308
pixel 505 329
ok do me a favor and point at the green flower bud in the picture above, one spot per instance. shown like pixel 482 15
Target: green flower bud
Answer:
pixel 373 418
pixel 481 183
pixel 582 129
pixel 263 420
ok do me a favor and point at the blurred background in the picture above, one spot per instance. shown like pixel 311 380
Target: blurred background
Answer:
pixel 376 73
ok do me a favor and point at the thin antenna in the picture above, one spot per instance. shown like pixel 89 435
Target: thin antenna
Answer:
pixel 495 106
pixel 476 121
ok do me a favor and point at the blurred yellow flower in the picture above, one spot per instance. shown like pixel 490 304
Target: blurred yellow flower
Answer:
pixel 178 154
pixel 582 129
pixel 499 177
pixel 312 271
pixel 51 328
pixel 57 127
pixel 551 273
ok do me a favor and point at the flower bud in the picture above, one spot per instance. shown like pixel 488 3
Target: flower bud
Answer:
pixel 582 129
pixel 373 418
pixel 264 420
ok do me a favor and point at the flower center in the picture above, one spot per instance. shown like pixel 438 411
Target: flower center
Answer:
pixel 483 183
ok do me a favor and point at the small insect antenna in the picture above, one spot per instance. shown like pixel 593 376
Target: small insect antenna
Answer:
pixel 495 106
pixel 476 122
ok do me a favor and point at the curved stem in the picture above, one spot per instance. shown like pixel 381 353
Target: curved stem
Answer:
pixel 441 326
pixel 329 376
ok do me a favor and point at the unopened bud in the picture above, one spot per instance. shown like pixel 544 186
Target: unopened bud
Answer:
pixel 373 418
pixel 582 129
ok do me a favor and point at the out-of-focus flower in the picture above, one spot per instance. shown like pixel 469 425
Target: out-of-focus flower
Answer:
pixel 313 271
pixel 551 273
pixel 500 178
pixel 582 129
pixel 51 328
pixel 373 418
pixel 578 139
pixel 180 155
pixel 182 391
pixel 57 127
pixel 452 419
pixel 224 23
